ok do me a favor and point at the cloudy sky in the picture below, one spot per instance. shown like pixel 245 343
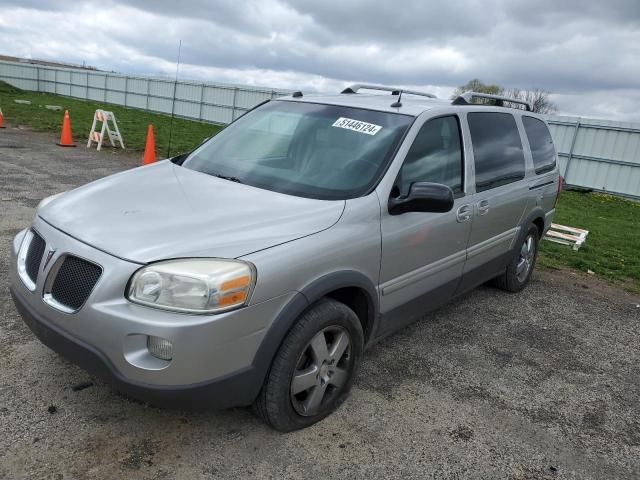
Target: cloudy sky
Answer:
pixel 586 52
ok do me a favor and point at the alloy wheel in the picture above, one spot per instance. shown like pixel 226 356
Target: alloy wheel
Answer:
pixel 525 259
pixel 322 370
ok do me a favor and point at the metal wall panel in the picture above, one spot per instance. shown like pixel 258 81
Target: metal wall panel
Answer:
pixel 187 109
pixel 47 74
pixel 218 96
pixel 136 101
pixel 96 94
pixel 113 96
pixel 97 81
pixel 248 99
pixel 598 154
pixel 161 88
pixel 158 104
pixel 188 92
pixel 63 76
pixel 79 78
pixel 63 89
pixel 49 87
pixel 78 91
pixel 23 83
pixel 217 114
pixel 22 72
pixel 116 83
pixel 138 85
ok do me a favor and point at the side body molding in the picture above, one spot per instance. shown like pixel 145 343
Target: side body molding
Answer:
pixel 480 274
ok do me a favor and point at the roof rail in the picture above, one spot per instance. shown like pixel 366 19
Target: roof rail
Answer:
pixel 394 90
pixel 467 97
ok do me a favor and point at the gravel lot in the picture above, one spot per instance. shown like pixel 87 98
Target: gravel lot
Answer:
pixel 544 384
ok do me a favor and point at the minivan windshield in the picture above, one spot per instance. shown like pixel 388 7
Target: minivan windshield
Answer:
pixel 306 149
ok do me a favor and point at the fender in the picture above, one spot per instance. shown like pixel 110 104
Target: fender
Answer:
pixel 343 279
pixel 537 212
pixel 303 299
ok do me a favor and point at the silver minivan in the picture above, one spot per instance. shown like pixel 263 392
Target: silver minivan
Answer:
pixel 256 269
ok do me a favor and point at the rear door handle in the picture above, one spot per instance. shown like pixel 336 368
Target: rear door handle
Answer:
pixel 463 214
pixel 483 207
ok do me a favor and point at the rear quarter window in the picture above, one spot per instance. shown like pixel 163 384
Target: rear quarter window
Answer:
pixel 542 149
pixel 497 149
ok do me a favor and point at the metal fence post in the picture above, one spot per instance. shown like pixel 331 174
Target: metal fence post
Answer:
pixel 573 143
pixel 148 92
pixel 233 107
pixel 202 87
pixel 126 89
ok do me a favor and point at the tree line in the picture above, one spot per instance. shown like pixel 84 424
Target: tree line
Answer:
pixel 538 98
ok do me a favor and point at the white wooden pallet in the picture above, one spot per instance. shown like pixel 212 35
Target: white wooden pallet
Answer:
pixel 567 235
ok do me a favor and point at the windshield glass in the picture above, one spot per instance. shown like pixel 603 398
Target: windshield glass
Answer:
pixel 304 149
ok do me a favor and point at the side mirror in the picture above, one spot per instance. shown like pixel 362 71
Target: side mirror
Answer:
pixel 423 197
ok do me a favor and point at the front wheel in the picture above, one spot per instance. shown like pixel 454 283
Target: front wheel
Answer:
pixel 518 273
pixel 314 368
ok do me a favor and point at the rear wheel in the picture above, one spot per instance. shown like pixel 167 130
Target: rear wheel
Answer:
pixel 313 370
pixel 518 273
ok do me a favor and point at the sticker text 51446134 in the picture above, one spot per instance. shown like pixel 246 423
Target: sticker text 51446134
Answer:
pixel 357 125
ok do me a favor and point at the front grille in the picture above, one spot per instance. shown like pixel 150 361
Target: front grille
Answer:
pixel 34 256
pixel 74 281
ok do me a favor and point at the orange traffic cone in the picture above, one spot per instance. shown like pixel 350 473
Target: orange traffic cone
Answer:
pixel 1 119
pixel 66 140
pixel 149 147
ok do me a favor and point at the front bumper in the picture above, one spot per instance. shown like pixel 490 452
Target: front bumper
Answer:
pixel 213 355
pixel 236 389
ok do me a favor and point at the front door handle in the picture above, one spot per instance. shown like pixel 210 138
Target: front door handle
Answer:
pixel 463 214
pixel 483 207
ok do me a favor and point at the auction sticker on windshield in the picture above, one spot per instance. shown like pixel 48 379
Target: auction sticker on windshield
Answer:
pixel 357 126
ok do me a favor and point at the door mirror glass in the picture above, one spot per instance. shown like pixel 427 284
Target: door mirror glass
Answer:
pixel 423 197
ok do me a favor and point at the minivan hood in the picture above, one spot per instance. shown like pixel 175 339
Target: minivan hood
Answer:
pixel 167 211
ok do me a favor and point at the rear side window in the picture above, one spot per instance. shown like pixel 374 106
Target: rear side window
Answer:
pixel 435 156
pixel 497 149
pixel 542 150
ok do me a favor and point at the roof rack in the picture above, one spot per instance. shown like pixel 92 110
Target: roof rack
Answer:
pixel 467 97
pixel 394 90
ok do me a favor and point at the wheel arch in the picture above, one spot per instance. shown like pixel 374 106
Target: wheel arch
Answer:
pixel 350 287
pixel 535 217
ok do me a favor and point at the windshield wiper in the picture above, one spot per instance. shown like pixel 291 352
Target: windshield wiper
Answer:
pixel 225 177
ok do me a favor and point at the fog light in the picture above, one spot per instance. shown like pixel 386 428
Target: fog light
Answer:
pixel 160 348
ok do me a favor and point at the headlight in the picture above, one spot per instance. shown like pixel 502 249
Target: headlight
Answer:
pixel 196 285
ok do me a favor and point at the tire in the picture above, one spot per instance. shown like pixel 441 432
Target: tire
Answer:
pixel 514 279
pixel 304 366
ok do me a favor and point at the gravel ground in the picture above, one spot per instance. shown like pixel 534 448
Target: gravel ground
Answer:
pixel 543 384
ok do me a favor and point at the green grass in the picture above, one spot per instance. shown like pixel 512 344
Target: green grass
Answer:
pixel 612 249
pixel 132 123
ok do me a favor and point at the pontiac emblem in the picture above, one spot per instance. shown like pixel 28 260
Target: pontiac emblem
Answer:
pixel 50 254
